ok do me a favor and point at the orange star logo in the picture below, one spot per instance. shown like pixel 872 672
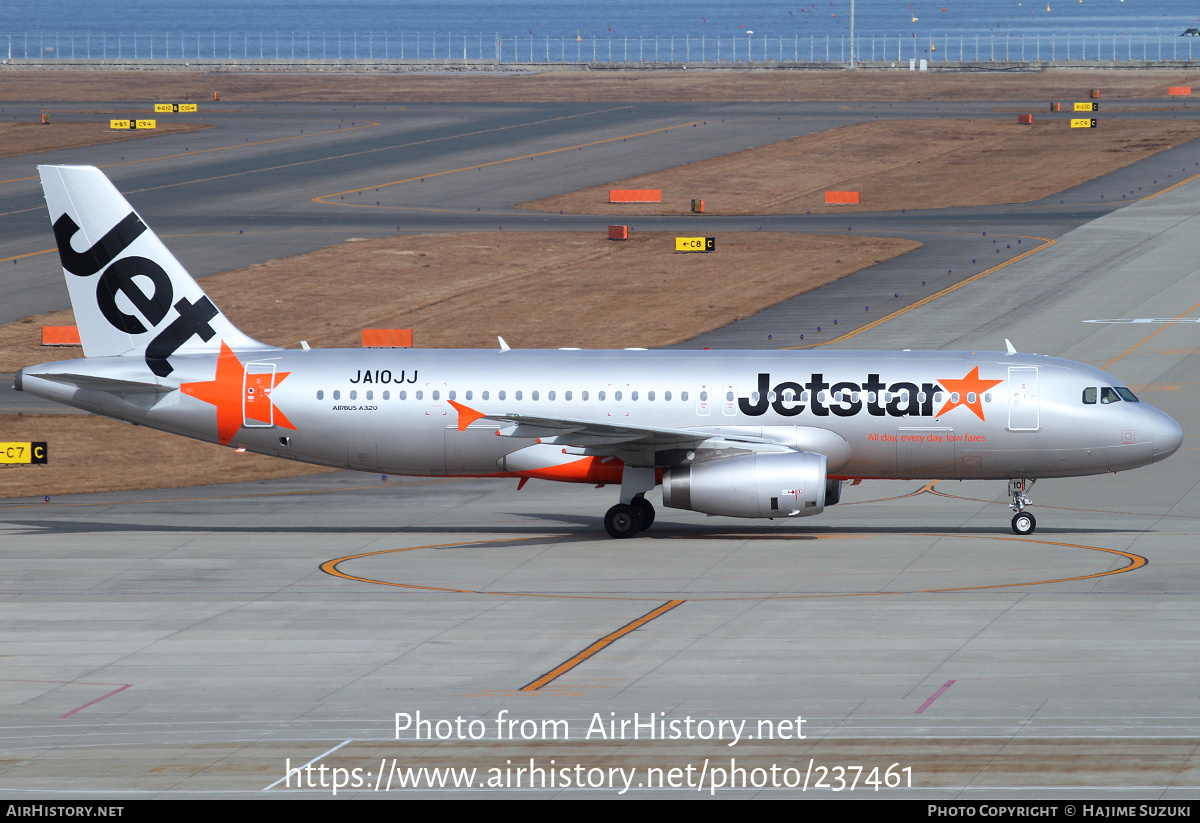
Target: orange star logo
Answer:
pixel 964 387
pixel 238 395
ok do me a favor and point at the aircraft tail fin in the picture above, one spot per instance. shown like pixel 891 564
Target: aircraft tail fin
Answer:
pixel 131 296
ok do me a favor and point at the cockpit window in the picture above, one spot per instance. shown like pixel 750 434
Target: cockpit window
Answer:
pixel 1127 395
pixel 1109 395
pixel 1089 396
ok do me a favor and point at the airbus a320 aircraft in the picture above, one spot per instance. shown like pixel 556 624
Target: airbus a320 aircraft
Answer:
pixel 736 433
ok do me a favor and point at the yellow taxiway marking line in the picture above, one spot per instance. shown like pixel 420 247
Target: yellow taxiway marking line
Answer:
pixel 366 125
pixel 601 644
pixel 330 567
pixel 474 166
pixel 1047 243
pixel 1145 339
pixel 26 254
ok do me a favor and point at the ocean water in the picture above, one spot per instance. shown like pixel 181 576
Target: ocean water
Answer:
pixel 587 19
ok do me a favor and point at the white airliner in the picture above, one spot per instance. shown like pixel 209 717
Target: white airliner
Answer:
pixel 736 433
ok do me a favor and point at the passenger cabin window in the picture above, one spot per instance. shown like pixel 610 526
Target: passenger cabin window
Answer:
pixel 1089 396
pixel 320 394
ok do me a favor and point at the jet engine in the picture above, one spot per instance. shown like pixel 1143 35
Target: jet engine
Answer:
pixel 791 484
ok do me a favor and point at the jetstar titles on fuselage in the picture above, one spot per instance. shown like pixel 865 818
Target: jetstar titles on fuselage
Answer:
pixel 846 399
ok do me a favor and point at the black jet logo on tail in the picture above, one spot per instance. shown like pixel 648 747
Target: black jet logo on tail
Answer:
pixel 119 278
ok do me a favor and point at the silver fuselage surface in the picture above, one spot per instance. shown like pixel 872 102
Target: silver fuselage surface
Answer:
pixel 389 410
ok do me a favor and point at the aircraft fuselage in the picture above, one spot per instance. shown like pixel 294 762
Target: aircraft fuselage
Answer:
pixel 880 414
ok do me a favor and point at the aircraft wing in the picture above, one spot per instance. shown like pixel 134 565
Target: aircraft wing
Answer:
pixel 564 431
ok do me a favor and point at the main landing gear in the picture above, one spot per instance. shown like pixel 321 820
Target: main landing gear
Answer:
pixel 1023 522
pixel 634 513
pixel 626 520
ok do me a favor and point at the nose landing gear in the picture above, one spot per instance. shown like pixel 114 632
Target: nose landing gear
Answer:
pixel 1023 522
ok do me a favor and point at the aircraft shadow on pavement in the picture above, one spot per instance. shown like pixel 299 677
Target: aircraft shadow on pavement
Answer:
pixel 592 526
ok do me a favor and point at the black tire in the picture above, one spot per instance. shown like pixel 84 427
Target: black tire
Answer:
pixel 647 509
pixel 623 521
pixel 1023 523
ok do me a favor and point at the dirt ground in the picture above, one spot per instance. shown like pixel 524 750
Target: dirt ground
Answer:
pixel 28 138
pixel 538 290
pixel 95 454
pixel 904 164
pixel 592 86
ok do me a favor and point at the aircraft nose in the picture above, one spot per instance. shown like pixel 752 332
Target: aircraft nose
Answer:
pixel 1166 435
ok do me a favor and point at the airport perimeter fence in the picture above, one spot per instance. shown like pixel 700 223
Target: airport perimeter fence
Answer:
pixel 960 47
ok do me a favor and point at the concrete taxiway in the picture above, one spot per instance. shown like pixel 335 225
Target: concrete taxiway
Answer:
pixel 194 641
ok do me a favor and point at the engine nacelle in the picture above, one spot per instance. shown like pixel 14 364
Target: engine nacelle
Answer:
pixel 753 485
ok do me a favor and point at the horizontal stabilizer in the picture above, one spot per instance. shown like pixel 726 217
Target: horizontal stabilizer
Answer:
pixel 107 384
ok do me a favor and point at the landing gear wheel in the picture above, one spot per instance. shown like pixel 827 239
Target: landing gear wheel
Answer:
pixel 644 506
pixel 623 521
pixel 1023 523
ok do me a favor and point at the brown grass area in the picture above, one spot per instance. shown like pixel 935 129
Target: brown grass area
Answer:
pixel 913 164
pixel 538 290
pixel 595 86
pixel 461 290
pixel 25 138
pixel 95 454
